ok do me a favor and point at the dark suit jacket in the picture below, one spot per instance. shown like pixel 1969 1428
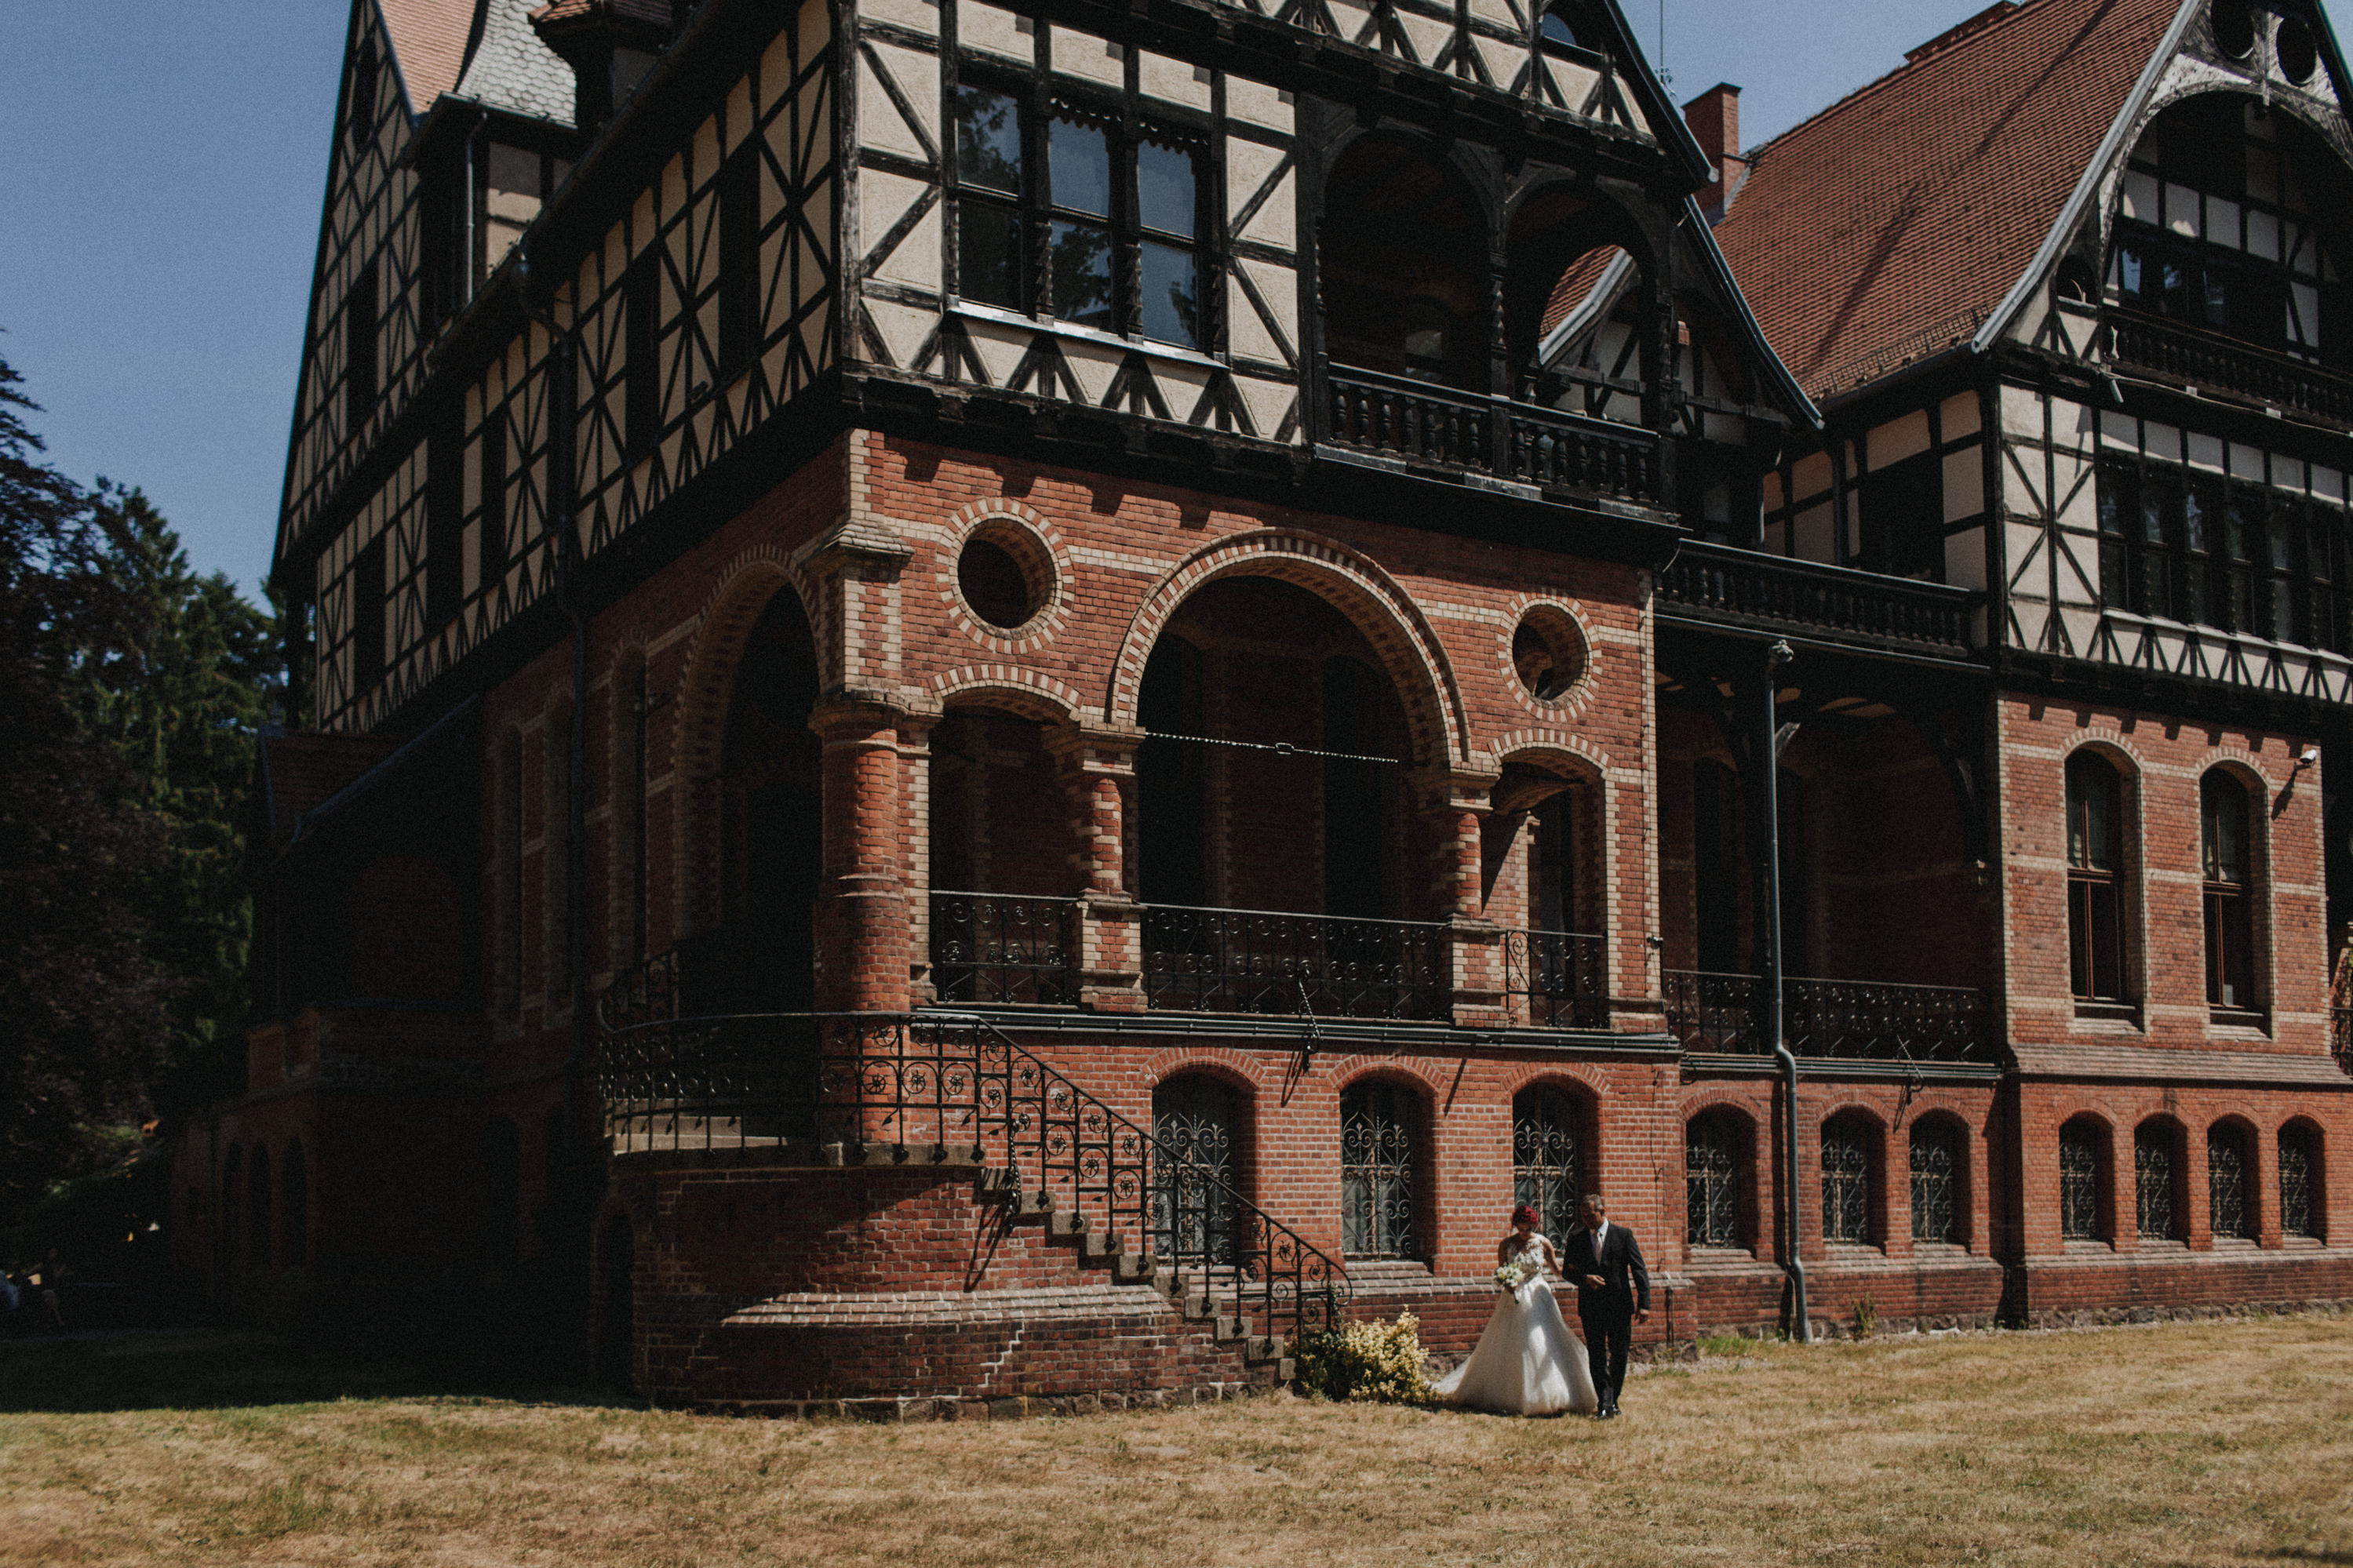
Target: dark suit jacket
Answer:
pixel 1626 1283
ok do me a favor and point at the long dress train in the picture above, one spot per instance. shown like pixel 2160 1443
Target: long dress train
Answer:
pixel 1529 1362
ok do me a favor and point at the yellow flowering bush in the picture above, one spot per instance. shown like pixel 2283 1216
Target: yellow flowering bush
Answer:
pixel 1366 1361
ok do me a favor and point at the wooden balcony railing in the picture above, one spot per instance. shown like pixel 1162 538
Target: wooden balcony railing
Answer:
pixel 1716 585
pixel 1862 1020
pixel 2172 350
pixel 1437 426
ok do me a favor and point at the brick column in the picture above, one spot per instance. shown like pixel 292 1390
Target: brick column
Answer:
pixel 1099 773
pixel 861 919
pixel 1456 802
pixel 915 836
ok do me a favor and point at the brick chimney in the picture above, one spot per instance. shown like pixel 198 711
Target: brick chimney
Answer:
pixel 1714 120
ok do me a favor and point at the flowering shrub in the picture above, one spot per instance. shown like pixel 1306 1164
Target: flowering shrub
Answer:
pixel 1366 1361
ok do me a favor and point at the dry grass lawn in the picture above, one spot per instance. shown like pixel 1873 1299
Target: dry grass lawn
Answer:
pixel 2225 1442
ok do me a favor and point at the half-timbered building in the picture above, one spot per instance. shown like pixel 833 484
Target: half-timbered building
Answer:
pixel 1012 699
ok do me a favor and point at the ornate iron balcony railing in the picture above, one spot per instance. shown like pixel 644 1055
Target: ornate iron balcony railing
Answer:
pixel 1862 1020
pixel 1415 422
pixel 1002 948
pixel 2173 351
pixel 1556 980
pixel 1254 960
pixel 2340 1037
pixel 753 1086
pixel 1717 585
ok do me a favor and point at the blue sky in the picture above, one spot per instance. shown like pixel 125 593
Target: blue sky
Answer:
pixel 162 164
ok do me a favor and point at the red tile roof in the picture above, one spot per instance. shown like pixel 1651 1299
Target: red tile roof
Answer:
pixel 428 40
pixel 1890 226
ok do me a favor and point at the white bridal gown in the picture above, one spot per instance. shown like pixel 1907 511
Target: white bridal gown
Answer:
pixel 1529 1362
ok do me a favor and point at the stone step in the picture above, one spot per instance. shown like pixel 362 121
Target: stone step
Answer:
pixel 1132 1268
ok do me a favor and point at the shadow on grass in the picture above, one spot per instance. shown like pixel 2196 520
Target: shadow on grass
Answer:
pixel 198 1368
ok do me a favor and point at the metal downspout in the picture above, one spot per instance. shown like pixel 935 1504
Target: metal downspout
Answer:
pixel 1801 1327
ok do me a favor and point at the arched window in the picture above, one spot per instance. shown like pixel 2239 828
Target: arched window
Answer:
pixel 1546 1157
pixel 1377 1195
pixel 2095 860
pixel 1847 1140
pixel 1403 259
pixel 2228 1212
pixel 1937 1164
pixel 1712 1169
pixel 260 1243
pixel 2230 914
pixel 1197 1120
pixel 2155 1167
pixel 294 1176
pixel 2299 1180
pixel 2080 1147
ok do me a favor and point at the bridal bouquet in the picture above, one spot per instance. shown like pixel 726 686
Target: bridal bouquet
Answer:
pixel 1512 1276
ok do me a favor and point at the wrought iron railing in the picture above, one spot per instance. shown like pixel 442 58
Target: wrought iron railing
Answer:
pixel 1864 1020
pixel 1556 980
pixel 1002 948
pixel 1255 961
pixel 753 1086
pixel 1716 583
pixel 1418 423
pixel 2176 352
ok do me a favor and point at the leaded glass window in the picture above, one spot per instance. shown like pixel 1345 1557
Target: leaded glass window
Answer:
pixel 1377 1174
pixel 2226 1182
pixel 1197 1121
pixel 2230 920
pixel 2153 1182
pixel 2297 1171
pixel 2095 856
pixel 1846 1180
pixel 1545 1169
pixel 1710 1175
pixel 1936 1169
pixel 2079 1183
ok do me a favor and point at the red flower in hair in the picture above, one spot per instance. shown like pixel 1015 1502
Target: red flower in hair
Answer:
pixel 1525 1215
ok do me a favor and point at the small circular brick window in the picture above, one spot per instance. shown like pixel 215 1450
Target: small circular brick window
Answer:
pixel 1548 653
pixel 1004 575
pixel 2234 28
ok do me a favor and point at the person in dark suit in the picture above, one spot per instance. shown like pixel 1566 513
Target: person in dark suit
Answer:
pixel 1613 1294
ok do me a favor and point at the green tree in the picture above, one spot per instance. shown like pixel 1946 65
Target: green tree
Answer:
pixel 82 1004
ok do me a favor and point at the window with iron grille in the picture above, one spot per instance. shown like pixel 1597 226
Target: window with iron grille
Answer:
pixel 1711 1175
pixel 2079 1182
pixel 2230 914
pixel 1545 1149
pixel 1846 1180
pixel 2226 1182
pixel 1197 1121
pixel 2153 1183
pixel 2299 1169
pixel 1935 1180
pixel 2094 858
pixel 1078 210
pixel 1377 1172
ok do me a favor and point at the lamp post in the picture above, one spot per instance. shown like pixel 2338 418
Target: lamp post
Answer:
pixel 1801 1328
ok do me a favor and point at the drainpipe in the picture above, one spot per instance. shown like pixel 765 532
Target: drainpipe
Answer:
pixel 1801 1324
pixel 568 593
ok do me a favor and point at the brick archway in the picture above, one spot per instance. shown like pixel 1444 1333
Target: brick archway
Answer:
pixel 1409 649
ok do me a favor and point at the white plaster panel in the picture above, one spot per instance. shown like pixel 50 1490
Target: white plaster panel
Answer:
pixel 902 327
pixel 1255 103
pixel 1351 23
pixel 2328 482
pixel 880 124
pixel 1173 80
pixel 1000 348
pixel 1279 286
pixel 1248 164
pixel 1899 439
pixel 2073 491
pixel 1574 81
pixel 1959 415
pixel 1964 483
pixel 2081 625
pixel 916 15
pixel 1503 59
pixel 2119 430
pixel 1810 476
pixel 2161 440
pixel 2021 541
pixel 2205 452
pixel 1268 404
pixel 2021 413
pixel 2246 462
pixel 2071 425
pixel 1245 335
pixel 1427 35
pixel 883 200
pixel 1088 58
pixel 1816 535
pixel 1965 558
pixel 1094 364
pixel 995 31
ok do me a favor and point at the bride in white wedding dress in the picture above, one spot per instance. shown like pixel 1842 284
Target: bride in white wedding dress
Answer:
pixel 1528 1361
